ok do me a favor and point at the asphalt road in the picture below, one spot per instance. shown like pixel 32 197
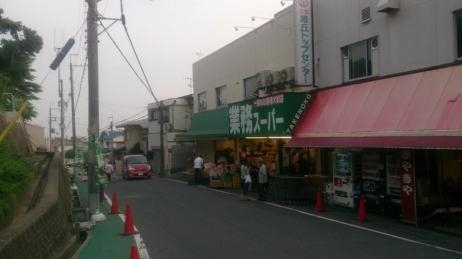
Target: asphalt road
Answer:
pixel 177 220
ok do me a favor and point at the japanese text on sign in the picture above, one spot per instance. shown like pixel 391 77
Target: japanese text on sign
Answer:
pixel 303 43
pixel 244 120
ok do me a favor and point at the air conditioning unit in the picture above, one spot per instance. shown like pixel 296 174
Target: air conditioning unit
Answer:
pixel 388 6
pixel 273 78
pixel 261 78
pixel 374 43
pixel 288 74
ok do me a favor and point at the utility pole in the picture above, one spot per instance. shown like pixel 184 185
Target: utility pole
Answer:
pixel 71 79
pixel 93 109
pixel 161 122
pixel 50 120
pixel 112 139
pixel 61 122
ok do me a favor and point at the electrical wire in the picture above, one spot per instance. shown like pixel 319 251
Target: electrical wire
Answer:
pixel 81 81
pixel 123 55
pixel 131 117
pixel 134 51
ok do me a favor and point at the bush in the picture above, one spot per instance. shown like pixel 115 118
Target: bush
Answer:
pixel 15 174
pixel 69 154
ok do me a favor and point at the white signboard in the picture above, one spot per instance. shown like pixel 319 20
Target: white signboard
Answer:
pixel 303 43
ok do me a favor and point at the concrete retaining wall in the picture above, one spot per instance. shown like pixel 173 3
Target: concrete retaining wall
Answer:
pixel 46 230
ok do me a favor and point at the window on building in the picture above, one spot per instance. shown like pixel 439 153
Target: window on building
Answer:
pixel 360 59
pixel 250 87
pixel 202 101
pixel 166 114
pixel 458 21
pixel 221 95
pixel 154 115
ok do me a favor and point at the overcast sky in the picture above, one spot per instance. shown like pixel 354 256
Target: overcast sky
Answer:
pixel 169 36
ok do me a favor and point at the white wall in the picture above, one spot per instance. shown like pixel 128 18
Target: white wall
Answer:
pixel 269 47
pixel 179 116
pixel 421 34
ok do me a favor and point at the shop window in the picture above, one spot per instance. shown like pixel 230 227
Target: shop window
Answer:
pixel 221 95
pixel 458 22
pixel 360 60
pixel 202 101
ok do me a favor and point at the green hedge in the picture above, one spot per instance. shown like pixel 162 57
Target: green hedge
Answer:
pixel 15 174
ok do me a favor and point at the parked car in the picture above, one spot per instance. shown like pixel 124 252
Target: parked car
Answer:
pixel 136 166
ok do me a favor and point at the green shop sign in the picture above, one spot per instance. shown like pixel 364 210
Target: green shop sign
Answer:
pixel 274 115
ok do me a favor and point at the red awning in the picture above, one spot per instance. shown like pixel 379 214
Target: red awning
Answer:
pixel 420 110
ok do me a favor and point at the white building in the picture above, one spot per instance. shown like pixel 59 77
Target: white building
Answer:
pixel 177 116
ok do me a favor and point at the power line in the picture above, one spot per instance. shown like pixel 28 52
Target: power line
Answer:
pixel 131 117
pixel 134 51
pixel 123 55
pixel 81 81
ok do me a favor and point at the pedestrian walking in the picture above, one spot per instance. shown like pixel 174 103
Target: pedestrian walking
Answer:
pixel 102 182
pixel 198 164
pixel 262 181
pixel 109 169
pixel 247 186
pixel 244 170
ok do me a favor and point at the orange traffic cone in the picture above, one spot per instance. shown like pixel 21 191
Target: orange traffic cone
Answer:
pixel 129 228
pixel 115 204
pixel 319 207
pixel 362 209
pixel 134 252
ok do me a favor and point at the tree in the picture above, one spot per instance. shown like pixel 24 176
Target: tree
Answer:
pixel 18 47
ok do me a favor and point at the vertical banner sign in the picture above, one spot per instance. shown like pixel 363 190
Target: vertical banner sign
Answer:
pixel 408 210
pixel 303 42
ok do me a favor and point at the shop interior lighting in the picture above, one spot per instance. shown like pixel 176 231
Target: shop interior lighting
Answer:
pixel 277 137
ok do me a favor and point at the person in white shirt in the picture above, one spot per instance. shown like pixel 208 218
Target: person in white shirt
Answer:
pixel 244 170
pixel 262 181
pixel 198 164
pixel 109 169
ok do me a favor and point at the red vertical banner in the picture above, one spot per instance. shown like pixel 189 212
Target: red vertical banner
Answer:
pixel 408 209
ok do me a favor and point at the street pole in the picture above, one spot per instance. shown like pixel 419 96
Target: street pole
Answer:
pixel 93 109
pixel 71 78
pixel 61 122
pixel 112 139
pixel 50 130
pixel 161 122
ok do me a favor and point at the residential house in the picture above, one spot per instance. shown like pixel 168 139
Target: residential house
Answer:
pixel 176 119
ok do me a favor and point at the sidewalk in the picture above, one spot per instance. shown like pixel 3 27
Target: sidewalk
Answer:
pixel 105 239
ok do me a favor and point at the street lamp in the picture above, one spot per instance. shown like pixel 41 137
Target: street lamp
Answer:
pixel 283 2
pixel 253 18
pixel 236 28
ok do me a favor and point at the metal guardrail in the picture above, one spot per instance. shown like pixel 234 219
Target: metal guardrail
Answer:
pixel 293 190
